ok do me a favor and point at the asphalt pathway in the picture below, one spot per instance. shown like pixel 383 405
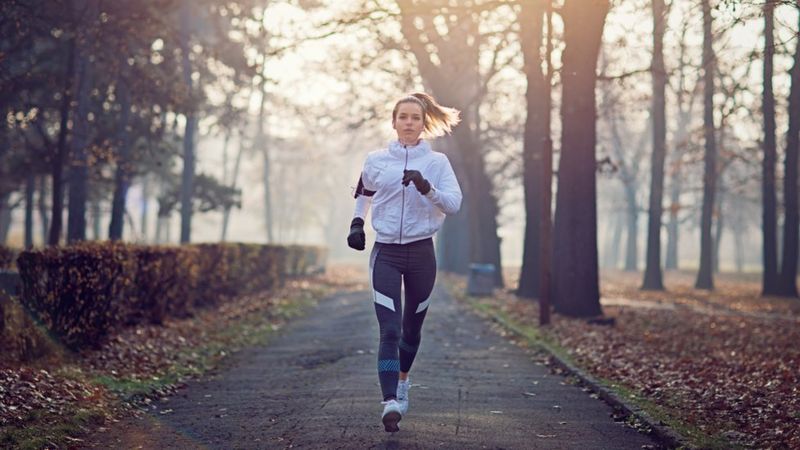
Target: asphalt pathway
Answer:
pixel 315 386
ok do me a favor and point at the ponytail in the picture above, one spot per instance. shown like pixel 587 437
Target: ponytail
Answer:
pixel 438 120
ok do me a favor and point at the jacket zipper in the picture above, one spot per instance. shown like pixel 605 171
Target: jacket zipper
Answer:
pixel 403 206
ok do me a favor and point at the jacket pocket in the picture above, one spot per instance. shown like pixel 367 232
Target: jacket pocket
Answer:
pixel 386 220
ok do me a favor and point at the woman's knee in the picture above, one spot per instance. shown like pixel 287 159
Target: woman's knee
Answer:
pixel 390 334
pixel 412 337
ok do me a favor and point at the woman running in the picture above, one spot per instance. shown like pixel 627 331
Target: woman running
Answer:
pixel 405 218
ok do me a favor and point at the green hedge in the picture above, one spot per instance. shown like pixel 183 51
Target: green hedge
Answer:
pixel 82 292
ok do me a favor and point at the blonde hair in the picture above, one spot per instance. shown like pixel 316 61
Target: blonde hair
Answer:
pixel 438 120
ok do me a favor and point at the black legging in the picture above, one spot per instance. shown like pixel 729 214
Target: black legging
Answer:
pixel 415 265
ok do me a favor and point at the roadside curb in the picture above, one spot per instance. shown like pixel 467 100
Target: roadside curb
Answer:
pixel 660 431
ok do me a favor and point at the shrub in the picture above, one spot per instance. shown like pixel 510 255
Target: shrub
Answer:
pixel 20 337
pixel 7 257
pixel 79 292
pixel 166 282
pixel 82 292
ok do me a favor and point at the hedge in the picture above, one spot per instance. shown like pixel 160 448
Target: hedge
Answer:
pixel 7 257
pixel 84 291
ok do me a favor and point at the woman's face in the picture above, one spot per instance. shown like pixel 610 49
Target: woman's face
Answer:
pixel 408 122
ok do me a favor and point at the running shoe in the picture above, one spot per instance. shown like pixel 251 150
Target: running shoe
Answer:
pixel 391 415
pixel 402 395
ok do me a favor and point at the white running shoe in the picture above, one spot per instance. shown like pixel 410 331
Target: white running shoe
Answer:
pixel 402 395
pixel 391 415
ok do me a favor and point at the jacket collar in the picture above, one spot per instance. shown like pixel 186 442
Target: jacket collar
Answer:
pixel 397 149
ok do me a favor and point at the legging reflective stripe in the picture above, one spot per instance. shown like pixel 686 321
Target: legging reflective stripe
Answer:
pixel 393 268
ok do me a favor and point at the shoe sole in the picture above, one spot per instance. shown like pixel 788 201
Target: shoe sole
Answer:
pixel 390 421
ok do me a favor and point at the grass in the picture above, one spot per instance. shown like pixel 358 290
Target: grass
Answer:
pixel 195 361
pixel 695 436
pixel 45 430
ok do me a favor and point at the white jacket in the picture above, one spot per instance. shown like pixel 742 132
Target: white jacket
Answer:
pixel 400 214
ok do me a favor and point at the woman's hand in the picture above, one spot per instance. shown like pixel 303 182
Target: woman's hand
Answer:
pixel 357 239
pixel 422 185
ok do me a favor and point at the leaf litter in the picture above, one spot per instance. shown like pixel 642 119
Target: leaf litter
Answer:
pixel 726 362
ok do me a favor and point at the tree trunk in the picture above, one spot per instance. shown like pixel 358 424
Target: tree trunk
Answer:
pixel 484 241
pixel 612 255
pixel 769 221
pixel 261 141
pixel 631 244
pixel 159 230
pixel 43 217
pixel 62 153
pixel 269 219
pixel 652 273
pixel 546 186
pixel 451 253
pixel 535 138
pixel 96 220
pixel 720 224
pixel 233 181
pixel 187 179
pixel 167 227
pixel 738 237
pixel 30 189
pixel 673 226
pixel 453 250
pixel 705 277
pixel 5 217
pixel 81 130
pixel 791 227
pixel 145 207
pixel 122 177
pixel 576 284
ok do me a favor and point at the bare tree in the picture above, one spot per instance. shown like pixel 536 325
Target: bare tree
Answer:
pixel 536 142
pixel 124 172
pixel 769 221
pixel 791 223
pixel 705 276
pixel 652 273
pixel 79 152
pixel 30 188
pixel 190 128
pixel 576 283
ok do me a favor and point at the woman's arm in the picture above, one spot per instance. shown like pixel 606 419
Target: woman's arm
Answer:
pixel 446 195
pixel 363 198
pixel 363 203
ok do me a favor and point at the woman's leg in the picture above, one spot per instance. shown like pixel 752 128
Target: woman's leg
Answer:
pixel 418 281
pixel 386 278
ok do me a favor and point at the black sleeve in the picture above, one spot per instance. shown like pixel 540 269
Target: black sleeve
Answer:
pixel 361 191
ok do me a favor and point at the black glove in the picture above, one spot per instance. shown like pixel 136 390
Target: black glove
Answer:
pixel 356 239
pixel 420 183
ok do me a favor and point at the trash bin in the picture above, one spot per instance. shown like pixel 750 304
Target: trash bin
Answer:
pixel 481 279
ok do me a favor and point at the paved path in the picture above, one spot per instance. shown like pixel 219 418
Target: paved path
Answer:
pixel 315 386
